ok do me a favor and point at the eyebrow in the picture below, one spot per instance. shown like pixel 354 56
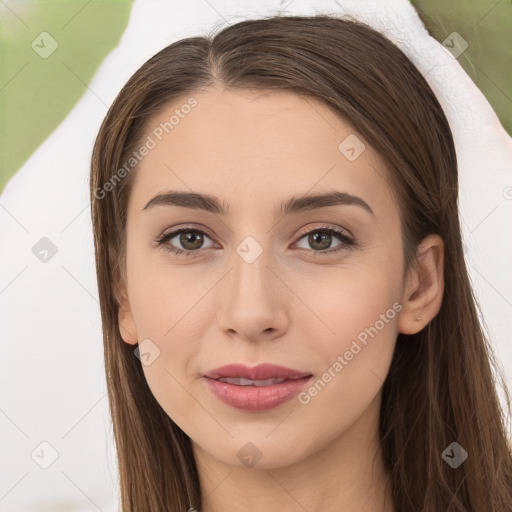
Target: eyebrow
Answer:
pixel 297 204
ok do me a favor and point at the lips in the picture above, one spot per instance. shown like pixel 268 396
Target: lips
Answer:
pixel 255 389
pixel 261 372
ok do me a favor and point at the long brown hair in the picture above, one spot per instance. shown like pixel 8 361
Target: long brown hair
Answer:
pixel 441 387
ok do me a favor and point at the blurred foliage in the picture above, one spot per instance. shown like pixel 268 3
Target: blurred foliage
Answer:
pixel 486 25
pixel 37 93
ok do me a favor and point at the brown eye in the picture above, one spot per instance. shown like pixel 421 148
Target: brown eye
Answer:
pixel 320 240
pixel 190 240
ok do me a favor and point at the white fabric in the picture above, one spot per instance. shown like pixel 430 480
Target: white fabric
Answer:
pixel 51 370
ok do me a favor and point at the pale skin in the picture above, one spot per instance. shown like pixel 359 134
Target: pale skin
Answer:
pixel 287 307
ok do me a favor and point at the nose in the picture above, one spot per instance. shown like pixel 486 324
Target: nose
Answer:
pixel 254 304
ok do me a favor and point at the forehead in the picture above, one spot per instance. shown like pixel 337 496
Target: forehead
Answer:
pixel 249 148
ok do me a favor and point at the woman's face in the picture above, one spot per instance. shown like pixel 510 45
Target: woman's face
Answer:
pixel 262 285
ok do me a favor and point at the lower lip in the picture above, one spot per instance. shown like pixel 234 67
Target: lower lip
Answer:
pixel 256 398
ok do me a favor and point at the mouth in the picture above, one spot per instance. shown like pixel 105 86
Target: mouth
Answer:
pixel 248 382
pixel 259 388
pixel 264 374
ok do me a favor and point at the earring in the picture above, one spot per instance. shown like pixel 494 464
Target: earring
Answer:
pixel 418 319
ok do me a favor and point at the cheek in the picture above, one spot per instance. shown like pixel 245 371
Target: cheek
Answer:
pixel 363 309
pixel 163 296
pixel 170 308
pixel 360 310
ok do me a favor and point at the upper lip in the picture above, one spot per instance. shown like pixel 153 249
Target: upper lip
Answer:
pixel 260 372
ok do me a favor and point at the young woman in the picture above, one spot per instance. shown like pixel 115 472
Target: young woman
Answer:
pixel 288 319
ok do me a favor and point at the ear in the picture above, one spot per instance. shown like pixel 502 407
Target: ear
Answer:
pixel 127 326
pixel 423 293
pixel 126 321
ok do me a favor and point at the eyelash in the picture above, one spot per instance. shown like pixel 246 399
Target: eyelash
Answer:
pixel 348 243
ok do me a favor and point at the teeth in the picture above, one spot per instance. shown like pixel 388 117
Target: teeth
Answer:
pixel 247 382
